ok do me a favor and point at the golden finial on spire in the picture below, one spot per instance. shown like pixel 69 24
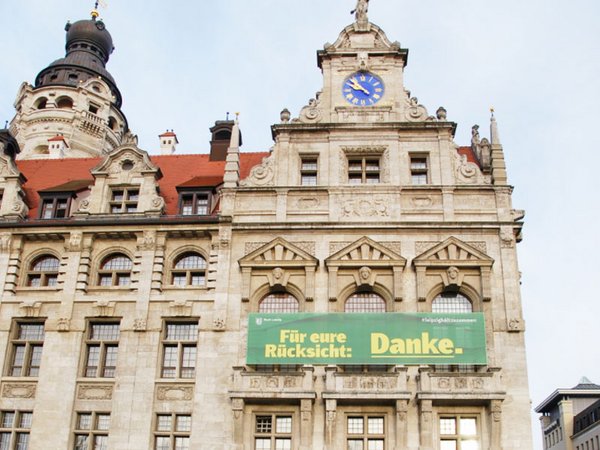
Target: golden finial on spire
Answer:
pixel 492 110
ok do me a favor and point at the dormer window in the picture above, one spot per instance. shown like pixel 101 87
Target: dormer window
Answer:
pixel 124 200
pixel 55 207
pixel 194 203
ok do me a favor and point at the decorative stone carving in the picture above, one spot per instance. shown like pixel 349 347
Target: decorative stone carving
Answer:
pixel 461 383
pixel 372 207
pixel 19 390
pixel 414 112
pixel 19 207
pixel 360 12
pixel 516 325
pixel 261 175
pixel 507 237
pixel 443 383
pixel 94 392
pixel 423 246
pixel 174 393
pixel 307 203
pixel 422 201
pixel 496 410
pixel 63 324
pixel 74 242
pixel 84 206
pixel 130 139
pixel 30 308
pixel 312 112
pixel 104 308
pixel 365 274
pixel 441 114
pixel 219 324
pixel 249 247
pixel 308 247
pixel 285 115
pixel 467 172
pixel 147 241
pixel 5 240
pixel 139 325
pixel 477 383
pixel 181 308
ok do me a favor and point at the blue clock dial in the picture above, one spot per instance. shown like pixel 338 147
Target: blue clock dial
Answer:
pixel 363 89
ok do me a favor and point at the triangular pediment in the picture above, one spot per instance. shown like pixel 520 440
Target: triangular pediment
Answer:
pixel 278 253
pixel 365 252
pixel 453 252
pixel 355 37
pixel 127 158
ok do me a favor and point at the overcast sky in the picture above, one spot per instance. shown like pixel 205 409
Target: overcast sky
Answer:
pixel 183 64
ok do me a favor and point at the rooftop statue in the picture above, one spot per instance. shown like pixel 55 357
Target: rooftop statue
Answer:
pixel 361 10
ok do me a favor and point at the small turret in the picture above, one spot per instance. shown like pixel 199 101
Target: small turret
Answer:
pixel 168 142
pixel 57 146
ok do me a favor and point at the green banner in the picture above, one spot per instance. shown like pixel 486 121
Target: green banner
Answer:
pixel 365 338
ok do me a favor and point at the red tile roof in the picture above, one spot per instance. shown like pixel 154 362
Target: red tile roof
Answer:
pixel 468 152
pixel 177 170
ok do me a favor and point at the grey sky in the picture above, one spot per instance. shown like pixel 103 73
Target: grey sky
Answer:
pixel 183 64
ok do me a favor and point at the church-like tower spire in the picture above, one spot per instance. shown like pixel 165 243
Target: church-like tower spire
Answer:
pixel 75 97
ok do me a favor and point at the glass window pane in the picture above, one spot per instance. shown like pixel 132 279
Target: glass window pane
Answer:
pixel 182 331
pixel 163 443
pixel 375 444
pixel 355 444
pixel 263 444
pixel 179 279
pixel 468 427
pixel 184 423
pixel 471 444
pixel 283 425
pixel 105 280
pixel 448 426
pixel 100 442
pixel 110 362
pixel 102 422
pixel 25 420
pixel 22 441
pixel 182 443
pixel 84 422
pixel 264 424
pixel 8 419
pixel 283 444
pixel 197 279
pixel 31 332
pixel 164 422
pixel 279 303
pixel 123 280
pixel 448 445
pixel 93 360
pixel 4 441
pixel 366 302
pixel 36 359
pixel 81 442
pixel 191 261
pixel 451 303
pixel 105 332
pixel 117 262
pixel 355 425
pixel 375 425
pixel 45 264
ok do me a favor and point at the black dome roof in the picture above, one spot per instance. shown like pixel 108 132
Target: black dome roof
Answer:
pixel 92 31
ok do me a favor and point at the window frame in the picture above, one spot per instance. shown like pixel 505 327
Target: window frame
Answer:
pixel 365 437
pixel 92 432
pixel 103 345
pixel 355 294
pixel 126 202
pixel 16 429
pixel 44 276
pixel 273 436
pixel 172 434
pixel 309 173
pixel 28 354
pixel 416 173
pixel 195 194
pixel 189 273
pixel 115 274
pixel 458 437
pixel 180 345
pixel 54 199
pixel 364 174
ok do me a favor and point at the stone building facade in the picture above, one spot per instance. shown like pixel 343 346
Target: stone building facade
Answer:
pixel 128 279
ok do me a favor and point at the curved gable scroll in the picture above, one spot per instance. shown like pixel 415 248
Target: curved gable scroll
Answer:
pixel 455 262
pixel 127 167
pixel 278 262
pixel 365 260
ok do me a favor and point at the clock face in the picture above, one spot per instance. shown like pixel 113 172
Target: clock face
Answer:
pixel 363 89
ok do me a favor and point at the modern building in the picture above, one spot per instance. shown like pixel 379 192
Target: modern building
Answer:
pixel 571 418
pixel 128 278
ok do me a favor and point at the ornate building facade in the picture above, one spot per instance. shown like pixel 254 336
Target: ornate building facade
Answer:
pixel 128 279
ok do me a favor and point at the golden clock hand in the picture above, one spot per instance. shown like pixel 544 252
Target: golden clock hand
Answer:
pixel 357 86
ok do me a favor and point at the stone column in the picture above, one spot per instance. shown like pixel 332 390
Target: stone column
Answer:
pixel 426 424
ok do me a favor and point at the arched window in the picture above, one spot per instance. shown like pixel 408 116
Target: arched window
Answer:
pixel 365 302
pixel 64 103
pixel 40 103
pixel 189 270
pixel 115 270
pixel 43 272
pixel 279 303
pixel 451 302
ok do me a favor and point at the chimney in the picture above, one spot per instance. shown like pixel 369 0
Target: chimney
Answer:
pixel 168 142
pixel 57 146
pixel 221 138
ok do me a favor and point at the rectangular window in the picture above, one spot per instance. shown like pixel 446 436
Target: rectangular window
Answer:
pixel 363 170
pixel 459 433
pixel 172 432
pixel 179 350
pixel 365 432
pixel 55 207
pixel 124 201
pixel 273 431
pixel 26 348
pixel 14 430
pixel 91 431
pixel 194 203
pixel 308 171
pixel 418 170
pixel 102 348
